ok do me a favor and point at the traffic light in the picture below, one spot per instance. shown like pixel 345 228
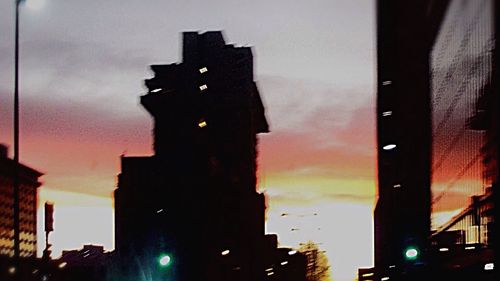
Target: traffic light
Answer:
pixel 412 253
pixel 164 260
pixel 49 217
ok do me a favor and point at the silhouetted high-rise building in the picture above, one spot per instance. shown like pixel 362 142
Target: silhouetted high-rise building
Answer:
pixel 437 123
pixel 27 206
pixel 195 199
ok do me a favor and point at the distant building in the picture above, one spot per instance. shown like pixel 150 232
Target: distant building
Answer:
pixel 89 255
pixel 195 199
pixel 282 264
pixel 87 264
pixel 28 206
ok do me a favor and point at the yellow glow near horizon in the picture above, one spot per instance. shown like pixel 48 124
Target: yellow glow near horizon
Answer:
pixel 344 230
pixel 78 219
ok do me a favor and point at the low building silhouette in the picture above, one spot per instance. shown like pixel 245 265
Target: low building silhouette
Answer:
pixel 87 264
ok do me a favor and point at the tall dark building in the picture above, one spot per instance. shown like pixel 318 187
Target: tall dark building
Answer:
pixel 437 125
pixel 195 199
pixel 27 206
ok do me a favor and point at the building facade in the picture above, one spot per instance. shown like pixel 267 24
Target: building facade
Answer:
pixel 29 182
pixel 437 125
pixel 195 199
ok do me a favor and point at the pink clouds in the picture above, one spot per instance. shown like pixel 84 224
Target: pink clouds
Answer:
pixel 78 147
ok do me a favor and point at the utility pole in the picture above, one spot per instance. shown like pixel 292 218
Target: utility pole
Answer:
pixel 16 180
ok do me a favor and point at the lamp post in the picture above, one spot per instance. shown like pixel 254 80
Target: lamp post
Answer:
pixel 16 180
pixel 16 176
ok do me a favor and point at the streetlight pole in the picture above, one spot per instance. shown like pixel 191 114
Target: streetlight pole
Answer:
pixel 17 246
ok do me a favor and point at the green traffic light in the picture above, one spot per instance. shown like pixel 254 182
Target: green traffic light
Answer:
pixel 411 253
pixel 164 260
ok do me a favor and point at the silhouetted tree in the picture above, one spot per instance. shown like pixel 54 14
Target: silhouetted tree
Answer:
pixel 317 262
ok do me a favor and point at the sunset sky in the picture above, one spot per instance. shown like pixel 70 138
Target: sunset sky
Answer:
pixel 82 70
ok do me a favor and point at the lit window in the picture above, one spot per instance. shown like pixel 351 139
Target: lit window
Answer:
pixel 270 273
pixel 387 82
pixel 159 211
pixel 284 262
pixel 203 70
pixel 384 278
pixel 470 248
pixel 397 186
pixel 202 124
pixel 225 252
pixel 392 266
pixel 292 252
pixel 63 265
pixel 203 87
pixel 444 249
pixel 368 274
pixel 489 266
pixel 12 270
pixel 269 269
pixel 387 113
pixel 389 146
pixel 156 90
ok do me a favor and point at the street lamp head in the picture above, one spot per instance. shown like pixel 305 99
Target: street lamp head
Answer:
pixel 33 4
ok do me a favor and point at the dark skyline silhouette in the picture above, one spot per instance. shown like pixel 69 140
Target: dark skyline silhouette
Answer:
pixel 195 199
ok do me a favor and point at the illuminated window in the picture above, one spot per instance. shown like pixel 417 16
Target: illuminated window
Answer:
pixel 387 82
pixel 387 113
pixel 202 124
pixel 203 70
pixel 225 252
pixel 389 146
pixel 489 266
pixel 156 90
pixel 203 87
pixel 284 262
